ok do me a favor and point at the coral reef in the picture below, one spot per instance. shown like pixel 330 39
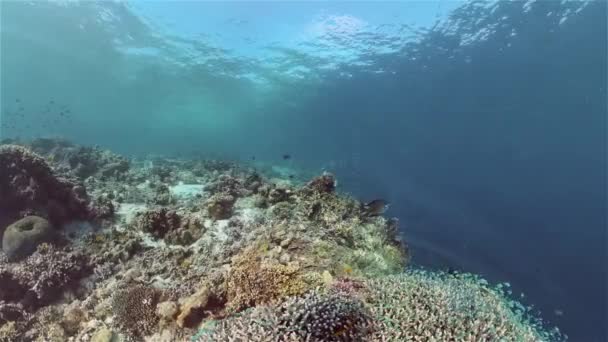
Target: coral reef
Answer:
pixel 164 249
pixel 310 317
pixel 28 185
pixel 448 307
pixel 43 276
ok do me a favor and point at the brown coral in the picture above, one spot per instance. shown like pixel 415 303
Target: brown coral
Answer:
pixel 158 222
pixel 220 206
pixel 253 282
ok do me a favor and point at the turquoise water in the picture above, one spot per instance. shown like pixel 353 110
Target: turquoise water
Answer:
pixel 482 122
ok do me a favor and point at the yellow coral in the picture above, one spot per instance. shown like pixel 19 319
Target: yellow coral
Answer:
pixel 252 282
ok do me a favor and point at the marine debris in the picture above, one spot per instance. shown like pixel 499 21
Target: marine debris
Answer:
pixel 98 247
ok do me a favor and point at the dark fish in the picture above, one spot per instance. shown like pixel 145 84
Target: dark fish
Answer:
pixel 252 157
pixel 17 100
pixel 291 176
pixel 376 207
pixel 286 156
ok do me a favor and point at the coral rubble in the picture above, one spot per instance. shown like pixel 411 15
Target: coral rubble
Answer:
pixel 162 249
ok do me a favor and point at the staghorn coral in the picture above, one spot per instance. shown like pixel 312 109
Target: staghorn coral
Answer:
pixel 135 310
pixel 310 317
pixel 420 304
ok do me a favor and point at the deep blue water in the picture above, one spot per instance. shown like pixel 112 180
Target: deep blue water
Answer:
pixel 493 154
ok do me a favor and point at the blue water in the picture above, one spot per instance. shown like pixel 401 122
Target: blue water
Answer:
pixel 483 123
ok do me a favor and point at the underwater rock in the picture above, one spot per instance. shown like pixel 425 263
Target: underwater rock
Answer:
pixel 23 237
pixel 167 310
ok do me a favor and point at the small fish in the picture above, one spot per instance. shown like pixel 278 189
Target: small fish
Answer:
pixel 252 157
pixel 376 207
pixel 286 156
pixel 17 100
pixel 291 176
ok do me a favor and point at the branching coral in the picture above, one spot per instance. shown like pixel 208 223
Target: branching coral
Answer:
pixel 50 271
pixel 422 305
pixel 220 206
pixel 46 274
pixel 311 317
pixel 135 309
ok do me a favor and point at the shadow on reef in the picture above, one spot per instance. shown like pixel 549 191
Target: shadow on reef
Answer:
pixel 97 247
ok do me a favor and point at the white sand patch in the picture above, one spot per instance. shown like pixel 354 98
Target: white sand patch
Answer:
pixel 186 191
pixel 251 216
pixel 127 211
pixel 283 171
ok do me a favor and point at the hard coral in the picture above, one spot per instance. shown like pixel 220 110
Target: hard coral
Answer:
pixel 419 304
pixel 310 317
pixel 27 184
pixel 135 309
pixel 220 206
pixel 227 184
pixel 47 273
pixel 253 282
pixel 325 183
pixel 22 237
pixel 158 222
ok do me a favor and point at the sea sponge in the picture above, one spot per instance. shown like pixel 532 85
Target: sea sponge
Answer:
pixel 22 237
